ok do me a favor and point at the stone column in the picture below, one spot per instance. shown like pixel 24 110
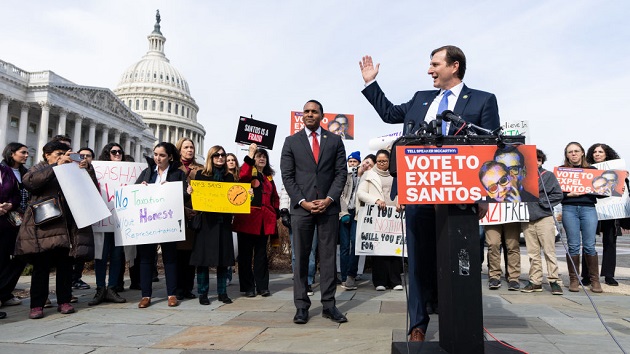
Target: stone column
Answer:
pixel 176 134
pixel 76 140
pixel 4 120
pixel 61 127
pixel 92 135
pixel 168 133
pixel 137 154
pixel 127 146
pixel 42 138
pixel 117 137
pixel 104 136
pixel 23 123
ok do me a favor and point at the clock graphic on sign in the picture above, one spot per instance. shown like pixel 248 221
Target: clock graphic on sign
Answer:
pixel 237 195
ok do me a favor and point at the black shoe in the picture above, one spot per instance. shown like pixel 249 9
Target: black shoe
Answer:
pixel 250 294
pixel 155 279
pixel 112 296
pixel 3 315
pixel 98 297
pixel 189 295
pixel 334 315
pixel 265 293
pixel 225 299
pixel 135 287
pixel 309 290
pixel 611 281
pixel 301 316
pixel 432 308
pixel 179 295
pixel 203 299
pixel 586 281
pixel 119 288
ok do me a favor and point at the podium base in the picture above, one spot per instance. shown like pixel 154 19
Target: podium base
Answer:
pixel 491 347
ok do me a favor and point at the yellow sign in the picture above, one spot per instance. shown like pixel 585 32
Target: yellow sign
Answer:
pixel 221 197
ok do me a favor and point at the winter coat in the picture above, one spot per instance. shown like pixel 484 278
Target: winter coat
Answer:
pixel 264 207
pixel 187 244
pixel 9 193
pixel 41 182
pixel 549 183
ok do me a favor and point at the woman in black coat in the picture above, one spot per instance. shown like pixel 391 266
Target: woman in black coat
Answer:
pixel 213 245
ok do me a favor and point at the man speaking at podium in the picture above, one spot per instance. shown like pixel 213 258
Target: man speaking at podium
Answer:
pixel 447 68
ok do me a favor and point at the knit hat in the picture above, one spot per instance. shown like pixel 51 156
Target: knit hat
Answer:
pixel 355 155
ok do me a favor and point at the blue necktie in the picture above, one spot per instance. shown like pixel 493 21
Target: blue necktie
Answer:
pixel 443 106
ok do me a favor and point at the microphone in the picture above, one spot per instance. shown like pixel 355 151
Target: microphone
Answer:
pixel 424 126
pixel 410 124
pixel 452 117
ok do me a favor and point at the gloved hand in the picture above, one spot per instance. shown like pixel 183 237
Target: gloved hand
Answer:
pixel 286 217
pixel 345 219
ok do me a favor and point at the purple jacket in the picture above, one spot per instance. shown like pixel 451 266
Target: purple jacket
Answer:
pixel 9 192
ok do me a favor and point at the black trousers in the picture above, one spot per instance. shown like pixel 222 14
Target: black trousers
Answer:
pixel 386 271
pixel 185 272
pixel 253 246
pixel 42 263
pixel 10 268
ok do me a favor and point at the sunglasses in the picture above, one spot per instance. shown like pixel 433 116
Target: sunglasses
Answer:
pixel 515 170
pixel 115 152
pixel 493 188
pixel 219 155
pixel 85 156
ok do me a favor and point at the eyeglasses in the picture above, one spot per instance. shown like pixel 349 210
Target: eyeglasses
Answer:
pixel 115 152
pixel 503 181
pixel 85 156
pixel 515 170
pixel 217 155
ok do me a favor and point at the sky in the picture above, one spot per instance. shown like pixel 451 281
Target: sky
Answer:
pixel 562 65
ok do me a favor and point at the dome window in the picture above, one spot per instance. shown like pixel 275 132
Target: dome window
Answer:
pixel 145 105
pixel 153 105
pixel 137 105
pixel 168 107
pixel 161 106
pixel 176 108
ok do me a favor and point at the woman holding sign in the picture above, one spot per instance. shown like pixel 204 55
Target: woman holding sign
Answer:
pixel 254 229
pixel 163 168
pixel 375 188
pixel 213 245
pixel 579 219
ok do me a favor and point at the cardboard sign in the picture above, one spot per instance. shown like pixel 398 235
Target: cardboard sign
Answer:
pixel 613 207
pixel 590 181
pixel 112 175
pixel 380 232
pixel 221 197
pixel 519 127
pixel 336 123
pixel 466 174
pixel 255 131
pixel 152 213
pixel 79 191
pixel 505 213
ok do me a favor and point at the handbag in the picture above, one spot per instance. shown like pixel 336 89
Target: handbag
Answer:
pixel 15 218
pixel 195 223
pixel 46 210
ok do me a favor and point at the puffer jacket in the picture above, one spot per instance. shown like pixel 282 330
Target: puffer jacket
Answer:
pixel 41 182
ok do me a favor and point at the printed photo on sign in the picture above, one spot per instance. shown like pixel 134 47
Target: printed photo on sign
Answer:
pixel 152 213
pixel 466 174
pixel 221 197
pixel 380 232
pixel 617 207
pixel 336 123
pixel 255 131
pixel 591 181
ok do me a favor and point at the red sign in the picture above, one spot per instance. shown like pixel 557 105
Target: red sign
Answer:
pixel 591 181
pixel 340 124
pixel 466 174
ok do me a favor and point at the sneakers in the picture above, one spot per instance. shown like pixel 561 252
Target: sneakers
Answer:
pixel 349 284
pixel 309 290
pixel 48 304
pixel 531 287
pixel 12 302
pixel 555 288
pixel 514 285
pixel 65 308
pixel 112 296
pixel 36 313
pixel 80 285
pixel 494 284
pixel 398 287
pixel 98 297
pixel 380 288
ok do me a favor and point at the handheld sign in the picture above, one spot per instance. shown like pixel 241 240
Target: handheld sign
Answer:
pixel 221 197
pixel 380 232
pixel 590 181
pixel 152 213
pixel 614 207
pixel 255 131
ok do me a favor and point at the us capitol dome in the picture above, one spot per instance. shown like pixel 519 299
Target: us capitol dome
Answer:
pixel 158 92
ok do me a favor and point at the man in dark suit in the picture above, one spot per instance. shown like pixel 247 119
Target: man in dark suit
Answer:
pixel 447 68
pixel 313 165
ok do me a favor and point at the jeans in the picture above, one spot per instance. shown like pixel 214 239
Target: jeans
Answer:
pixel 349 262
pixel 580 220
pixel 312 264
pixel 114 254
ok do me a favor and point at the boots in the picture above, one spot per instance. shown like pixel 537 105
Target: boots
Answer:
pixel 112 296
pixel 593 269
pixel 574 284
pixel 98 297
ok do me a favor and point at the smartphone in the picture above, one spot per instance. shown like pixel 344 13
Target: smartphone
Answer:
pixel 76 157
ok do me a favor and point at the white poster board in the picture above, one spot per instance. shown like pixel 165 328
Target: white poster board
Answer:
pixel 152 213
pixel 613 207
pixel 516 127
pixel 380 232
pixel 85 202
pixel 505 213
pixel 110 176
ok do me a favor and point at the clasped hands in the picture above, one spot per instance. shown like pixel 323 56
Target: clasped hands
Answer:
pixel 317 206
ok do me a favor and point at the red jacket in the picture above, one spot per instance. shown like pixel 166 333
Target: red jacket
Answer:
pixel 264 210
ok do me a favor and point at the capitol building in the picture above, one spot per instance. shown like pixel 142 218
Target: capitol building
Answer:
pixel 151 103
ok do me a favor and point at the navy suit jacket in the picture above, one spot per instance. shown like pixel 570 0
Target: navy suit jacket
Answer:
pixel 474 106
pixel 303 178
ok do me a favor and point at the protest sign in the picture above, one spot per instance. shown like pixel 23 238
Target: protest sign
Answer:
pixel 336 123
pixel 151 213
pixel 614 207
pixel 256 131
pixel 221 197
pixel 505 213
pixel 519 127
pixel 85 202
pixel 380 232
pixel 590 181
pixel 383 142
pixel 465 174
pixel 110 176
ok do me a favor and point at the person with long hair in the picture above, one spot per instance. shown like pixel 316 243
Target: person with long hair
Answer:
pixel 164 167
pixel 213 242
pixel 106 249
pixel 579 219
pixel 11 204
pixel 255 228
pixel 233 167
pixel 600 153
pixel 186 271
pixel 55 242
